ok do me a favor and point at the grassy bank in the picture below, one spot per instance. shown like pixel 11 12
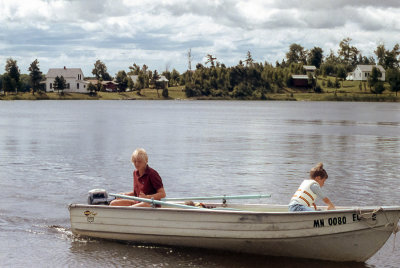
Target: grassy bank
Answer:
pixel 350 91
pixel 145 94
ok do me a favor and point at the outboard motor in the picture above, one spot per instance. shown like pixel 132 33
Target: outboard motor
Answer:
pixel 98 197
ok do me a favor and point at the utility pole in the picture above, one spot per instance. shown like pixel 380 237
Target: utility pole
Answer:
pixel 190 58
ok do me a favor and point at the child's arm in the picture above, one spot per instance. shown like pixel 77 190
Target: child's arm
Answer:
pixel 329 203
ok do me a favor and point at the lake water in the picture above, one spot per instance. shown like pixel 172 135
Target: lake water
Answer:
pixel 53 152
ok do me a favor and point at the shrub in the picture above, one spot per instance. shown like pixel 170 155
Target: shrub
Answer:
pixel 318 89
pixel 165 93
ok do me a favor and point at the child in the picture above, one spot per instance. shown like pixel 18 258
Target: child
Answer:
pixel 147 182
pixel 309 190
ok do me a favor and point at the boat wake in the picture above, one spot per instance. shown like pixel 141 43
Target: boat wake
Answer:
pixel 66 234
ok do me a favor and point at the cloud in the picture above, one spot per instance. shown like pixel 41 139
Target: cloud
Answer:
pixel 157 33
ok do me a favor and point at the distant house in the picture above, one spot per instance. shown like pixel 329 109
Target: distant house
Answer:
pixel 310 68
pixel 350 76
pixel 162 82
pixel 73 78
pixel 362 72
pixel 134 78
pixel 110 86
pixel 300 80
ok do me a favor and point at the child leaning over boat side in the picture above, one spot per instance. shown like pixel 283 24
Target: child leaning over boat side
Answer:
pixel 309 190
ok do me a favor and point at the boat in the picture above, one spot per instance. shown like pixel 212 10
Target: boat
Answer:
pixel 344 234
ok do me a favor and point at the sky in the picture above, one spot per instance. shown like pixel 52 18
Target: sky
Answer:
pixel 159 33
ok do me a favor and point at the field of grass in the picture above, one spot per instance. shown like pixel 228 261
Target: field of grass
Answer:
pixel 145 94
pixel 350 91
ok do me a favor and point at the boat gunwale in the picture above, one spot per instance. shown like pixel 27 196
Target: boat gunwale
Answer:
pixel 317 212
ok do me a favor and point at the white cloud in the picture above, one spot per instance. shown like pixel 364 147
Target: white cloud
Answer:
pixel 157 33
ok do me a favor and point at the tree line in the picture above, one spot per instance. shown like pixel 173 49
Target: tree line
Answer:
pixel 247 80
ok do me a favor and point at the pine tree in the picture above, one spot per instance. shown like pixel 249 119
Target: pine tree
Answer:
pixel 35 76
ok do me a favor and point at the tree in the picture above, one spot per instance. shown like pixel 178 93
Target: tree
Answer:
pixel 100 71
pixel 318 89
pixel 296 54
pixel 131 84
pixel 332 58
pixel 380 53
pixel 146 74
pixel 366 61
pixel 373 79
pixel 134 69
pixel 328 68
pixel 154 79
pixel 122 80
pixel 311 81
pixel 391 60
pixel 165 93
pixel 59 84
pixel 337 83
pixel 388 59
pixel 8 83
pixel 141 82
pixel 211 59
pixel 393 78
pixel 99 85
pixel 249 60
pixel 167 74
pixel 35 76
pixel 13 73
pixel 315 57
pixel 347 53
pixel 24 83
pixel 175 77
pixel 378 88
pixel 92 89
pixel 341 73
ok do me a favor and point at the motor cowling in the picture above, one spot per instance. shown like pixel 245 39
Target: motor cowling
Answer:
pixel 98 197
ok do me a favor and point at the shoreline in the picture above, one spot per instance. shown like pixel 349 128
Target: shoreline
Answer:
pixel 177 93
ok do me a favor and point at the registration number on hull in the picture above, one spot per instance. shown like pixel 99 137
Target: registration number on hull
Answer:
pixel 333 221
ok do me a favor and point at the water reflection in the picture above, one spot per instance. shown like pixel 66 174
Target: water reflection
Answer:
pixel 339 122
pixel 125 254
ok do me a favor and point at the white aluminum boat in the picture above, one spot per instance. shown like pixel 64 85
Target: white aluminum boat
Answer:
pixel 344 234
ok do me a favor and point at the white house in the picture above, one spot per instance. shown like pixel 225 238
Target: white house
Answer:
pixel 162 81
pixel 134 78
pixel 362 72
pixel 73 78
pixel 310 68
pixel 350 76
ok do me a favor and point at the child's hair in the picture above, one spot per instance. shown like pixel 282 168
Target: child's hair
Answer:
pixel 318 170
pixel 140 153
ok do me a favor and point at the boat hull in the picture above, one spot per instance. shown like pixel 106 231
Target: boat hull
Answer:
pixel 341 235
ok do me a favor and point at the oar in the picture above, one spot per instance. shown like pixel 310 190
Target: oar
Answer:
pixel 155 202
pixel 223 197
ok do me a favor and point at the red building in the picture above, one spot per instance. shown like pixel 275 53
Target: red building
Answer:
pixel 300 80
